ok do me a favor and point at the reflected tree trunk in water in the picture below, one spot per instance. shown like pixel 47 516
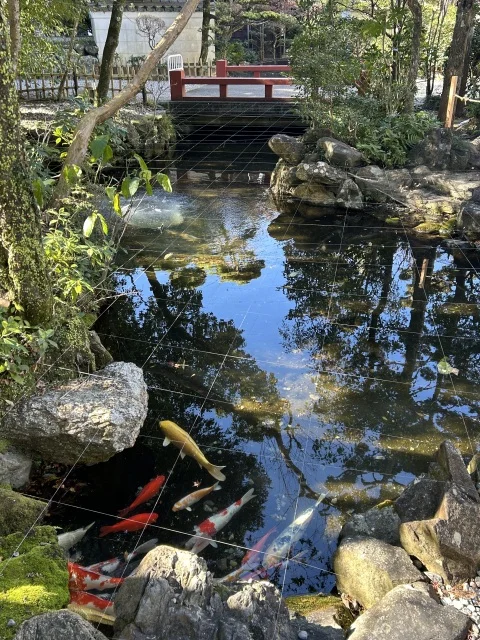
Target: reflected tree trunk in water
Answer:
pixel 380 308
pixel 421 287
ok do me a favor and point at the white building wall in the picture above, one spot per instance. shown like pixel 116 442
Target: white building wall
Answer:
pixel 133 43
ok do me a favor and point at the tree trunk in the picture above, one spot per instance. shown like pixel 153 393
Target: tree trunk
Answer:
pixel 416 11
pixel 69 58
pixel 22 260
pixel 462 87
pixel 15 36
pixel 111 44
pixel 456 59
pixel 205 32
pixel 79 146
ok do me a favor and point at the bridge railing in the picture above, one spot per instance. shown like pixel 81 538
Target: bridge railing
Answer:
pixel 178 81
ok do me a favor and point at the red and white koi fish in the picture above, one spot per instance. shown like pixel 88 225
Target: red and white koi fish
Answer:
pixel 262 573
pixel 192 498
pixel 254 552
pixel 109 566
pixel 83 599
pixel 279 548
pixel 81 579
pixel 148 492
pixel 212 525
pixel 130 524
pixel 251 560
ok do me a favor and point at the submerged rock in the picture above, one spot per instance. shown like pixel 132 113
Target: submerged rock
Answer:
pixel 172 595
pixel 340 153
pixel 408 612
pixel 18 513
pixel 15 467
pixel 58 625
pixel 367 569
pixel 34 582
pixel 288 148
pixel 315 194
pixel 90 418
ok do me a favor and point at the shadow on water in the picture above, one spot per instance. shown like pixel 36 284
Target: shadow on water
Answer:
pixel 301 355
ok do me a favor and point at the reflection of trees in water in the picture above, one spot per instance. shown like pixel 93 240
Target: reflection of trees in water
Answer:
pixel 368 316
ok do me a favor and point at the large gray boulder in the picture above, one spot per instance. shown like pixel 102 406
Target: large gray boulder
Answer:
pixel 315 194
pixel 407 613
pixel 434 150
pixel 58 625
pixel 340 153
pixel 420 500
pixel 288 148
pixel 15 467
pixel 468 218
pixel 321 173
pixel 349 196
pixel 449 543
pixel 381 523
pixel 91 418
pixel 172 595
pixel 376 187
pixel 367 569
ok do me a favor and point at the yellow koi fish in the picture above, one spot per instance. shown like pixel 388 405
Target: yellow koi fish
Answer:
pixel 188 447
pixel 192 498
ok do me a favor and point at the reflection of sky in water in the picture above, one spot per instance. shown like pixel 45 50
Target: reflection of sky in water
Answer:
pixel 305 361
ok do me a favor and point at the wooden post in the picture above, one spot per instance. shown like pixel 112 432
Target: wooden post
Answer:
pixel 221 68
pixel 223 90
pixel 268 91
pixel 450 115
pixel 177 88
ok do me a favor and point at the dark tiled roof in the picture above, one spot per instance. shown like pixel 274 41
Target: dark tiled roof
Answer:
pixel 142 5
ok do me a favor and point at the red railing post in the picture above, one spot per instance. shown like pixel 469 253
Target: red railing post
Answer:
pixel 223 90
pixel 269 92
pixel 177 88
pixel 221 68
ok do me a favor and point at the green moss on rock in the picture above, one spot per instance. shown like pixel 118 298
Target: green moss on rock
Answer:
pixel 32 583
pixel 309 603
pixel 37 536
pixel 18 513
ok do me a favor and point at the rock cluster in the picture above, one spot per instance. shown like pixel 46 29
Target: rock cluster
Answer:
pixel 324 174
pixel 434 521
pixel 91 418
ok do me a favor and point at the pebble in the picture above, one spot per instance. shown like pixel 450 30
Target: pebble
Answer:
pixel 11 623
pixel 302 635
pixel 464 598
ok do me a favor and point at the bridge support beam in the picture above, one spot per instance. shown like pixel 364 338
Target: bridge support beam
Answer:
pixel 177 88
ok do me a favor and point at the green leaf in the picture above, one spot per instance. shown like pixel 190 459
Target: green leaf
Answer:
pixel 89 224
pixel 107 154
pixel 164 181
pixel 148 187
pixel 116 204
pixel 104 224
pixel 111 191
pixel 141 162
pixel 98 146
pixel 38 191
pixel 72 173
pixel 130 186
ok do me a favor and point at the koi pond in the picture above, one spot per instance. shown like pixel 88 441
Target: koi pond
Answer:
pixel 301 355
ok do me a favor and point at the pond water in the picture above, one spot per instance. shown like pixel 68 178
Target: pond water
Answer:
pixel 301 355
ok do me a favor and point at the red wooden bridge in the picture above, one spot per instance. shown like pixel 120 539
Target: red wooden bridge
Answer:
pixel 222 79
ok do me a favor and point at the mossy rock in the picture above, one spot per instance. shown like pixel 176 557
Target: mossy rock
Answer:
pixel 37 536
pixel 304 605
pixel 19 513
pixel 32 583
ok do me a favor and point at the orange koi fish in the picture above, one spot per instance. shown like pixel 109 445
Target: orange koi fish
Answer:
pixel 149 491
pixel 192 498
pixel 131 524
pixel 91 601
pixel 81 579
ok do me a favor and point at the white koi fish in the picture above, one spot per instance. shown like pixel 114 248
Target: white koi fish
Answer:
pixel 279 548
pixel 192 498
pixel 212 525
pixel 71 538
